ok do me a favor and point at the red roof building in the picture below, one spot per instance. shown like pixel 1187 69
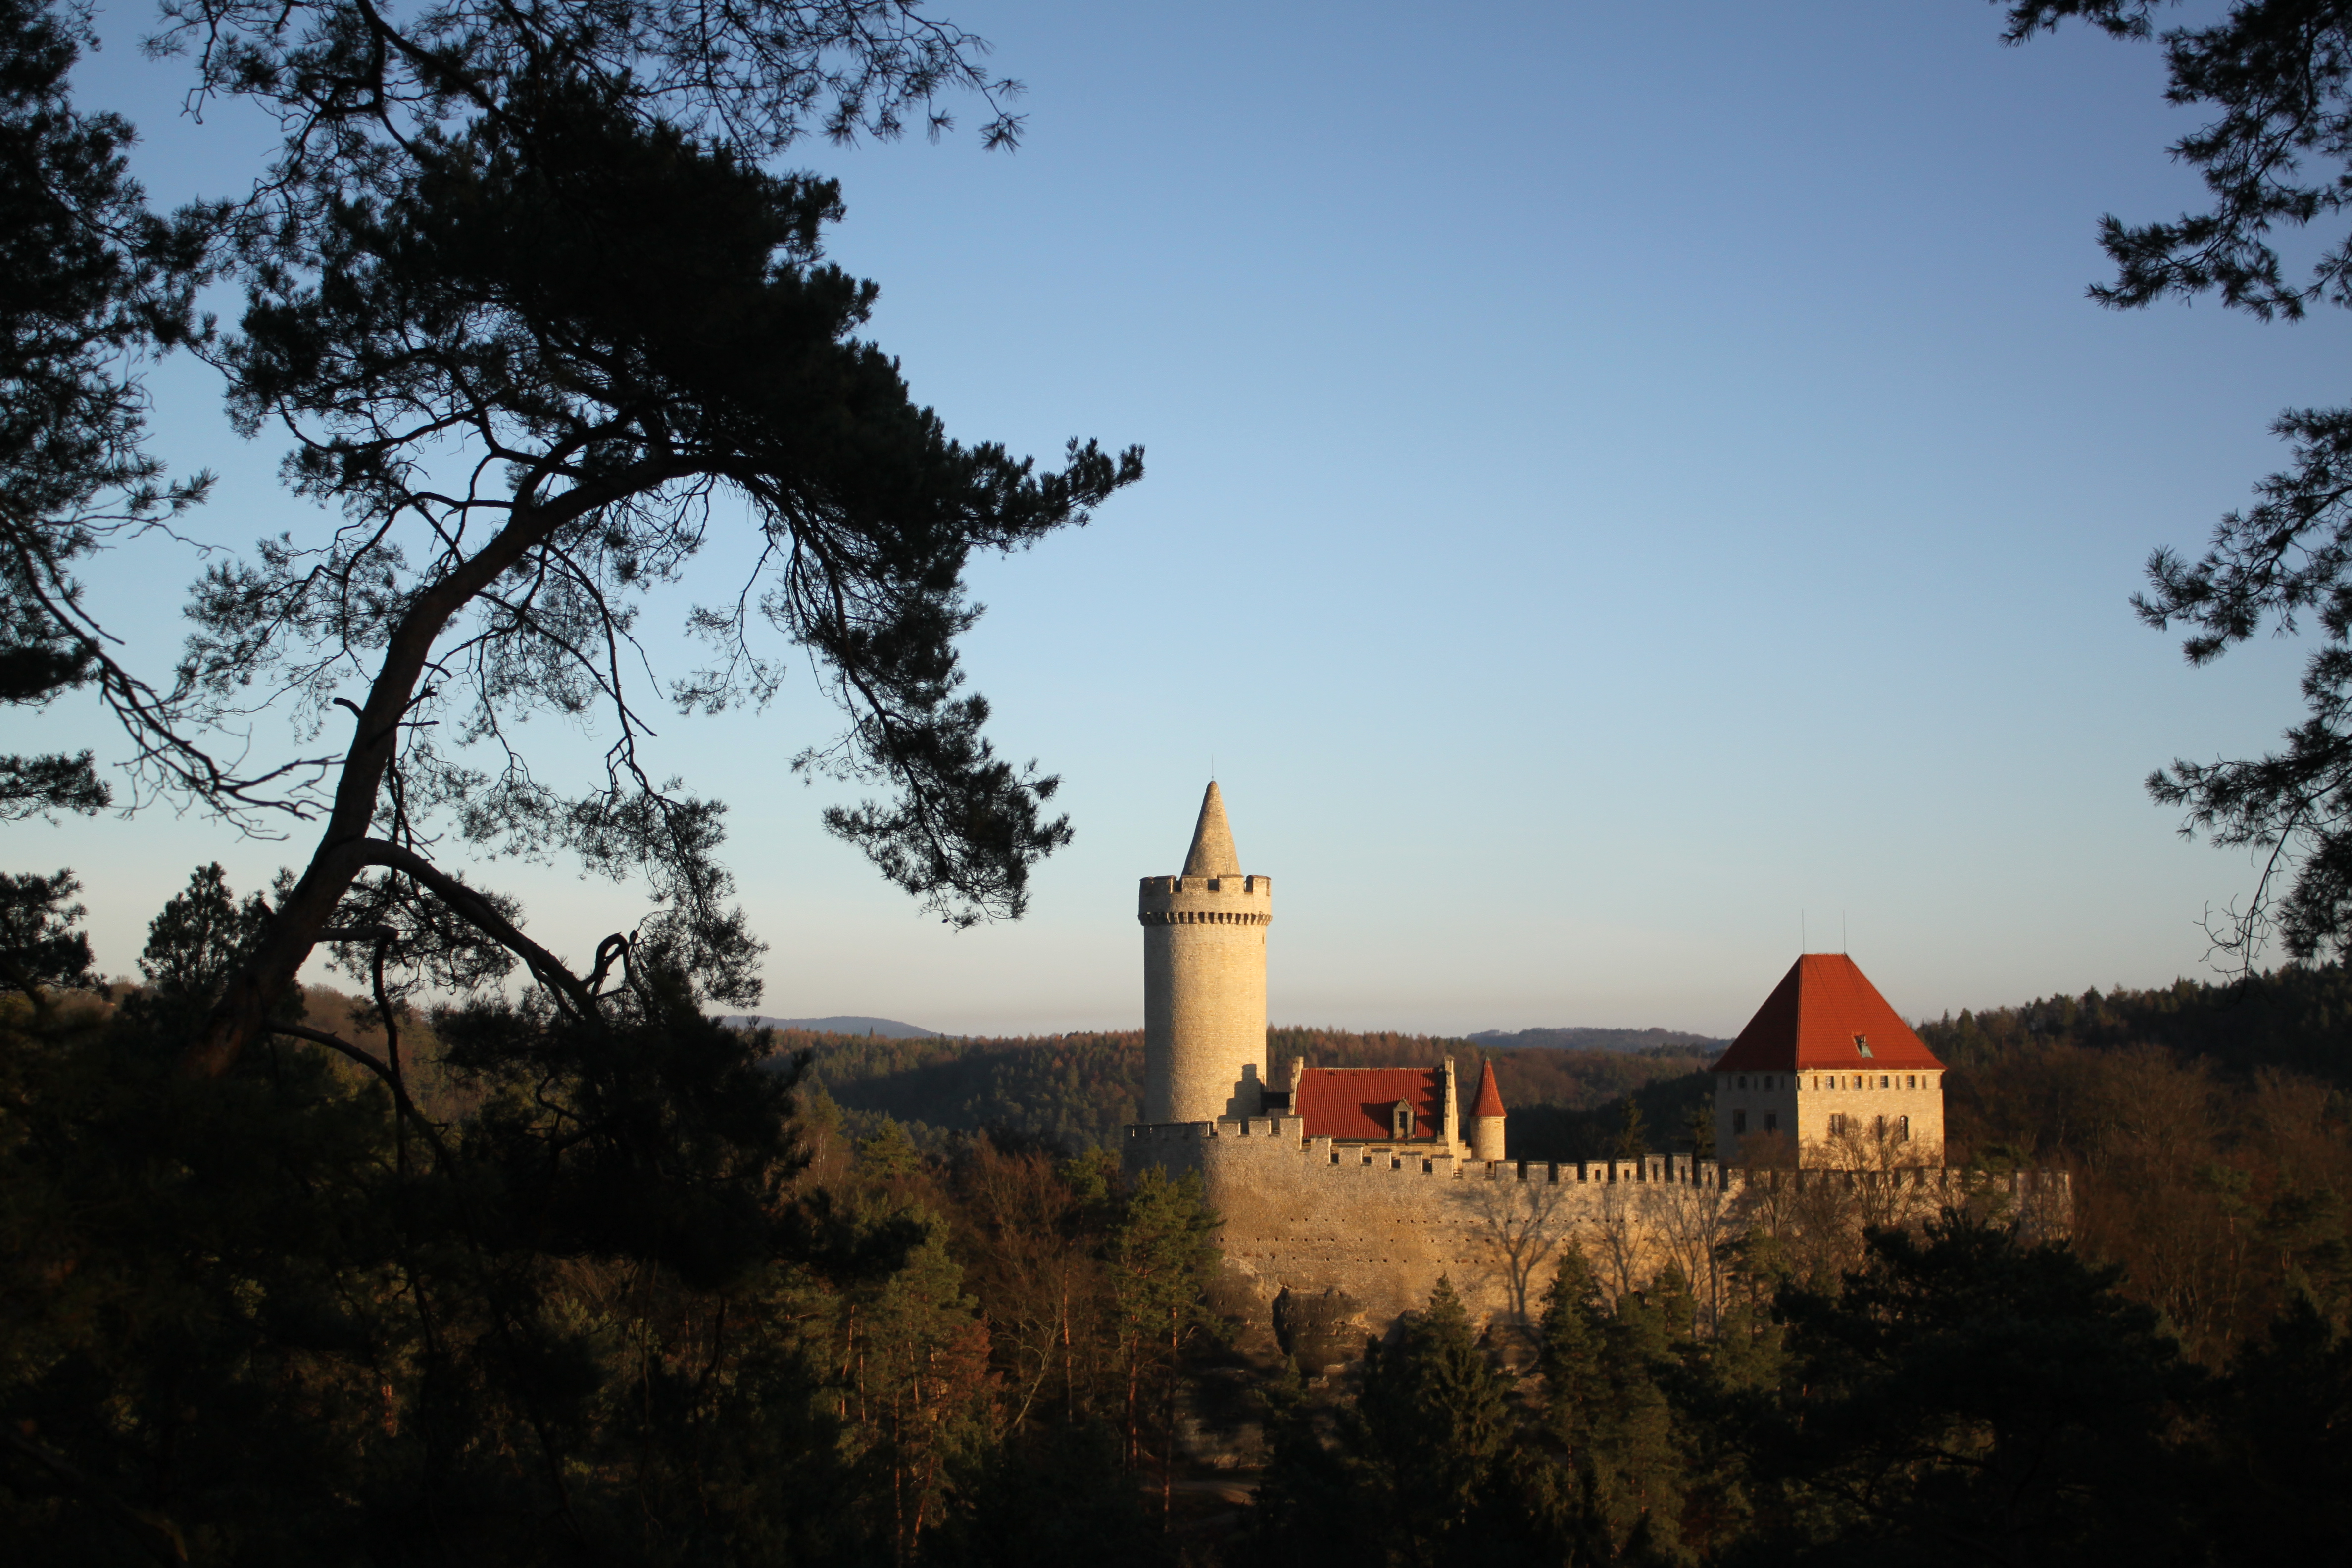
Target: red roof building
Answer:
pixel 1360 1105
pixel 1828 1074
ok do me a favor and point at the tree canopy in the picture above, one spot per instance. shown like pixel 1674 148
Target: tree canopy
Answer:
pixel 90 282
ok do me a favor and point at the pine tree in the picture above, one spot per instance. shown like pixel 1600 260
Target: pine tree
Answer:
pixel 1162 1257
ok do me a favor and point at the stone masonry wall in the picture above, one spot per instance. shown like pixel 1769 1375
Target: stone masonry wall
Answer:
pixel 1803 1103
pixel 1350 1236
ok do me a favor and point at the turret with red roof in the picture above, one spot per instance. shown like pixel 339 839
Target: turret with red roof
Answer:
pixel 1487 1115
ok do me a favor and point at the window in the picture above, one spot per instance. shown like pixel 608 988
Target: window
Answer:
pixel 1910 1081
pixel 1772 1121
pixel 1768 1080
pixel 1879 1127
pixel 1743 1080
pixel 1817 1080
pixel 1401 1120
pixel 1837 1123
pixel 1881 1080
pixel 1739 1122
pixel 1862 1043
pixel 1903 1130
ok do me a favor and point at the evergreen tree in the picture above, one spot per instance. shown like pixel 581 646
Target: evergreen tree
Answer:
pixel 284 1314
pixel 2285 1430
pixel 1617 1488
pixel 1633 1138
pixel 1419 1470
pixel 1966 1398
pixel 2275 155
pixel 1161 1255
pixel 39 946
pixel 89 284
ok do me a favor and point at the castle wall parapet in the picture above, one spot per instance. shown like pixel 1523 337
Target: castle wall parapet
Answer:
pixel 1379 1224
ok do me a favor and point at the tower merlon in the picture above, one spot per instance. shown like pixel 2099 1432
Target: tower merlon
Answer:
pixel 1185 900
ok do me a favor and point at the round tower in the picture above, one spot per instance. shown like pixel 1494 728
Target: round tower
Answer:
pixel 1204 980
pixel 1486 1117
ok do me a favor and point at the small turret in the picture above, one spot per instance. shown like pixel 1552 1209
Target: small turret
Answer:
pixel 1486 1117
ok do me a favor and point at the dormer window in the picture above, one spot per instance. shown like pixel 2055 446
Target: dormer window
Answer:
pixel 1862 1043
pixel 1401 1120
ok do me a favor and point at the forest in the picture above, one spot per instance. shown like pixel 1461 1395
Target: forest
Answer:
pixel 674 1293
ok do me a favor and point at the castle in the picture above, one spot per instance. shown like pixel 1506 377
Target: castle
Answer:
pixel 1346 1192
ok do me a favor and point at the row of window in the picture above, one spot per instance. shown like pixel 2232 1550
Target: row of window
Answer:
pixel 1839 1080
pixel 1840 1125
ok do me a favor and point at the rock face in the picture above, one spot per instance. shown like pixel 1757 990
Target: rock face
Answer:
pixel 1319 1328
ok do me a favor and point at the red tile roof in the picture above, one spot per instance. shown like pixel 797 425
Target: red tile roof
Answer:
pixel 1353 1103
pixel 1815 1017
pixel 1490 1094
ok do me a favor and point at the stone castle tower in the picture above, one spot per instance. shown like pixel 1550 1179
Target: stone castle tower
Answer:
pixel 1204 980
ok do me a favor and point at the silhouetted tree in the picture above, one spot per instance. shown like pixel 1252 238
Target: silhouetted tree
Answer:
pixel 2276 76
pixel 40 946
pixel 596 1313
pixel 89 284
pixel 521 289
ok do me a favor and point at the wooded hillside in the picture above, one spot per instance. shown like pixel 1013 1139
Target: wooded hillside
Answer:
pixel 1075 1091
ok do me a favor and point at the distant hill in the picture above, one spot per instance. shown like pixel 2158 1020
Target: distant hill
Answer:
pixel 846 1024
pixel 1642 1042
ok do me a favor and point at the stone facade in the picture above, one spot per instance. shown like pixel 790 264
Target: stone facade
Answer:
pixel 1831 1117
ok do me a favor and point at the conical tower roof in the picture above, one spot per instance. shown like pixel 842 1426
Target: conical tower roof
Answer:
pixel 1490 1093
pixel 1213 840
pixel 1825 1013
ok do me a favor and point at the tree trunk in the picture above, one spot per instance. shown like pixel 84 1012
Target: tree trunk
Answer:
pixel 242 1014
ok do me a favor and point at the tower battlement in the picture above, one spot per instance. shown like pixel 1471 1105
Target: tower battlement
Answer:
pixel 1205 901
pixel 1225 887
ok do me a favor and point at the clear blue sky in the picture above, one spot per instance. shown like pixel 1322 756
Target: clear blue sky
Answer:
pixel 1623 480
